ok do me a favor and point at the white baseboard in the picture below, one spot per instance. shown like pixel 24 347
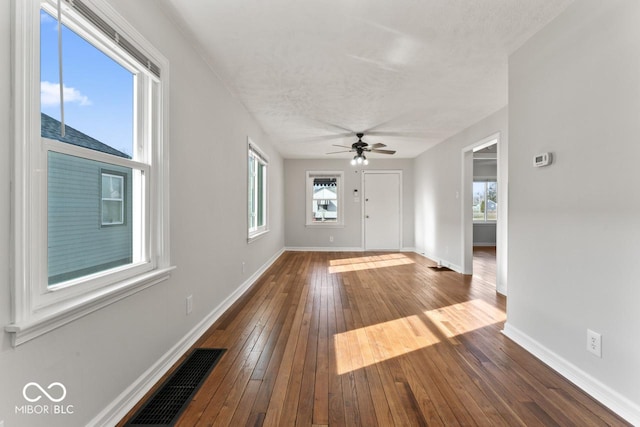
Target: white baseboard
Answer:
pixel 443 262
pixel 117 409
pixel 336 249
pixel 484 244
pixel 323 249
pixel 596 389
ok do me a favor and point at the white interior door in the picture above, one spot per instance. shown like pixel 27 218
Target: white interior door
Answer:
pixel 382 211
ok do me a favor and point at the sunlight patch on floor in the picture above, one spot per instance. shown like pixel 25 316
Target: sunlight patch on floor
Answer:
pixel 368 262
pixel 377 343
pixel 465 317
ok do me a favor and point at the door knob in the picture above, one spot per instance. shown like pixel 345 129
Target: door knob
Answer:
pixel 366 216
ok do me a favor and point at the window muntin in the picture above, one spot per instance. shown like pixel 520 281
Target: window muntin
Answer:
pixel 485 201
pixel 324 201
pixel 257 191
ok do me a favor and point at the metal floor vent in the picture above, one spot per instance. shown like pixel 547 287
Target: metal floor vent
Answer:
pixel 165 406
pixel 440 268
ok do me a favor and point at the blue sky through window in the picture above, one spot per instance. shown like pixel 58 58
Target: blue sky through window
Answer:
pixel 98 91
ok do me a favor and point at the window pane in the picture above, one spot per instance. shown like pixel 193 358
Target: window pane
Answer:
pixel 112 212
pixel 492 201
pixel 325 200
pixel 112 186
pixel 260 195
pixel 478 201
pixel 78 244
pixel 106 185
pixel 98 93
pixel 252 193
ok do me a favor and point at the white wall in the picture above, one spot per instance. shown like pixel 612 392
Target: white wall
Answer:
pixel 438 195
pixel 574 236
pixel 349 237
pixel 484 168
pixel 484 234
pixel 6 372
pixel 98 356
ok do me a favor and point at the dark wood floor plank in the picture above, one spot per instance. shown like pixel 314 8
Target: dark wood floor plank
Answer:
pixel 334 319
pixel 281 364
pixel 378 339
pixel 242 412
pixel 357 376
pixel 321 393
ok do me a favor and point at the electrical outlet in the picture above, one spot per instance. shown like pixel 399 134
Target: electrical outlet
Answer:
pixel 189 304
pixel 594 343
pixel 244 267
pixel 331 239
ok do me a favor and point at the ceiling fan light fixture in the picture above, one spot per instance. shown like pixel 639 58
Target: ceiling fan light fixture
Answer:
pixel 360 148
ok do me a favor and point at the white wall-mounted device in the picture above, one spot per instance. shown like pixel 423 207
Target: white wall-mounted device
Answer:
pixel 542 159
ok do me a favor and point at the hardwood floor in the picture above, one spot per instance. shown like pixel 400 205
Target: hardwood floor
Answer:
pixel 348 339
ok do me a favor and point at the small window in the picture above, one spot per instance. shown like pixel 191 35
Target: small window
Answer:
pixel 112 206
pixel 257 192
pixel 324 199
pixel 485 201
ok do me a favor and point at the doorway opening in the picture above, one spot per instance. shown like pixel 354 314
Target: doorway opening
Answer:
pixel 484 211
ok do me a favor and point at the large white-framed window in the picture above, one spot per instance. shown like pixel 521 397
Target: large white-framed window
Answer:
pixel 258 194
pixel 90 166
pixel 324 198
pixel 485 201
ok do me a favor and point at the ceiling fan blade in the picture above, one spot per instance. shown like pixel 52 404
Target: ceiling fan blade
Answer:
pixel 336 152
pixel 343 146
pixel 378 145
pixel 320 138
pixel 399 134
pixel 383 151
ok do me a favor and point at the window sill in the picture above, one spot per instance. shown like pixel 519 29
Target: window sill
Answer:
pixel 76 308
pixel 256 236
pixel 325 225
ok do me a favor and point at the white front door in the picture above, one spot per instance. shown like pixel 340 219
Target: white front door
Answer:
pixel 382 201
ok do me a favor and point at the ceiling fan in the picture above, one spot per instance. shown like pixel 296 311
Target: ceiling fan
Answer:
pixel 360 147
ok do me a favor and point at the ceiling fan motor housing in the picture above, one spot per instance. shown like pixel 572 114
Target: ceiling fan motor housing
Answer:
pixel 360 147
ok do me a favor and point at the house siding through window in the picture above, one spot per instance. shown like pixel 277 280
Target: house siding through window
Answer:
pixel 78 244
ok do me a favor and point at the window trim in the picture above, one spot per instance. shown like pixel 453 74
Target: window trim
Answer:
pixel 309 177
pixel 32 315
pixel 254 151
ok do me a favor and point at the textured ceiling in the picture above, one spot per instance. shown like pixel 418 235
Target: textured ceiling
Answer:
pixel 408 73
